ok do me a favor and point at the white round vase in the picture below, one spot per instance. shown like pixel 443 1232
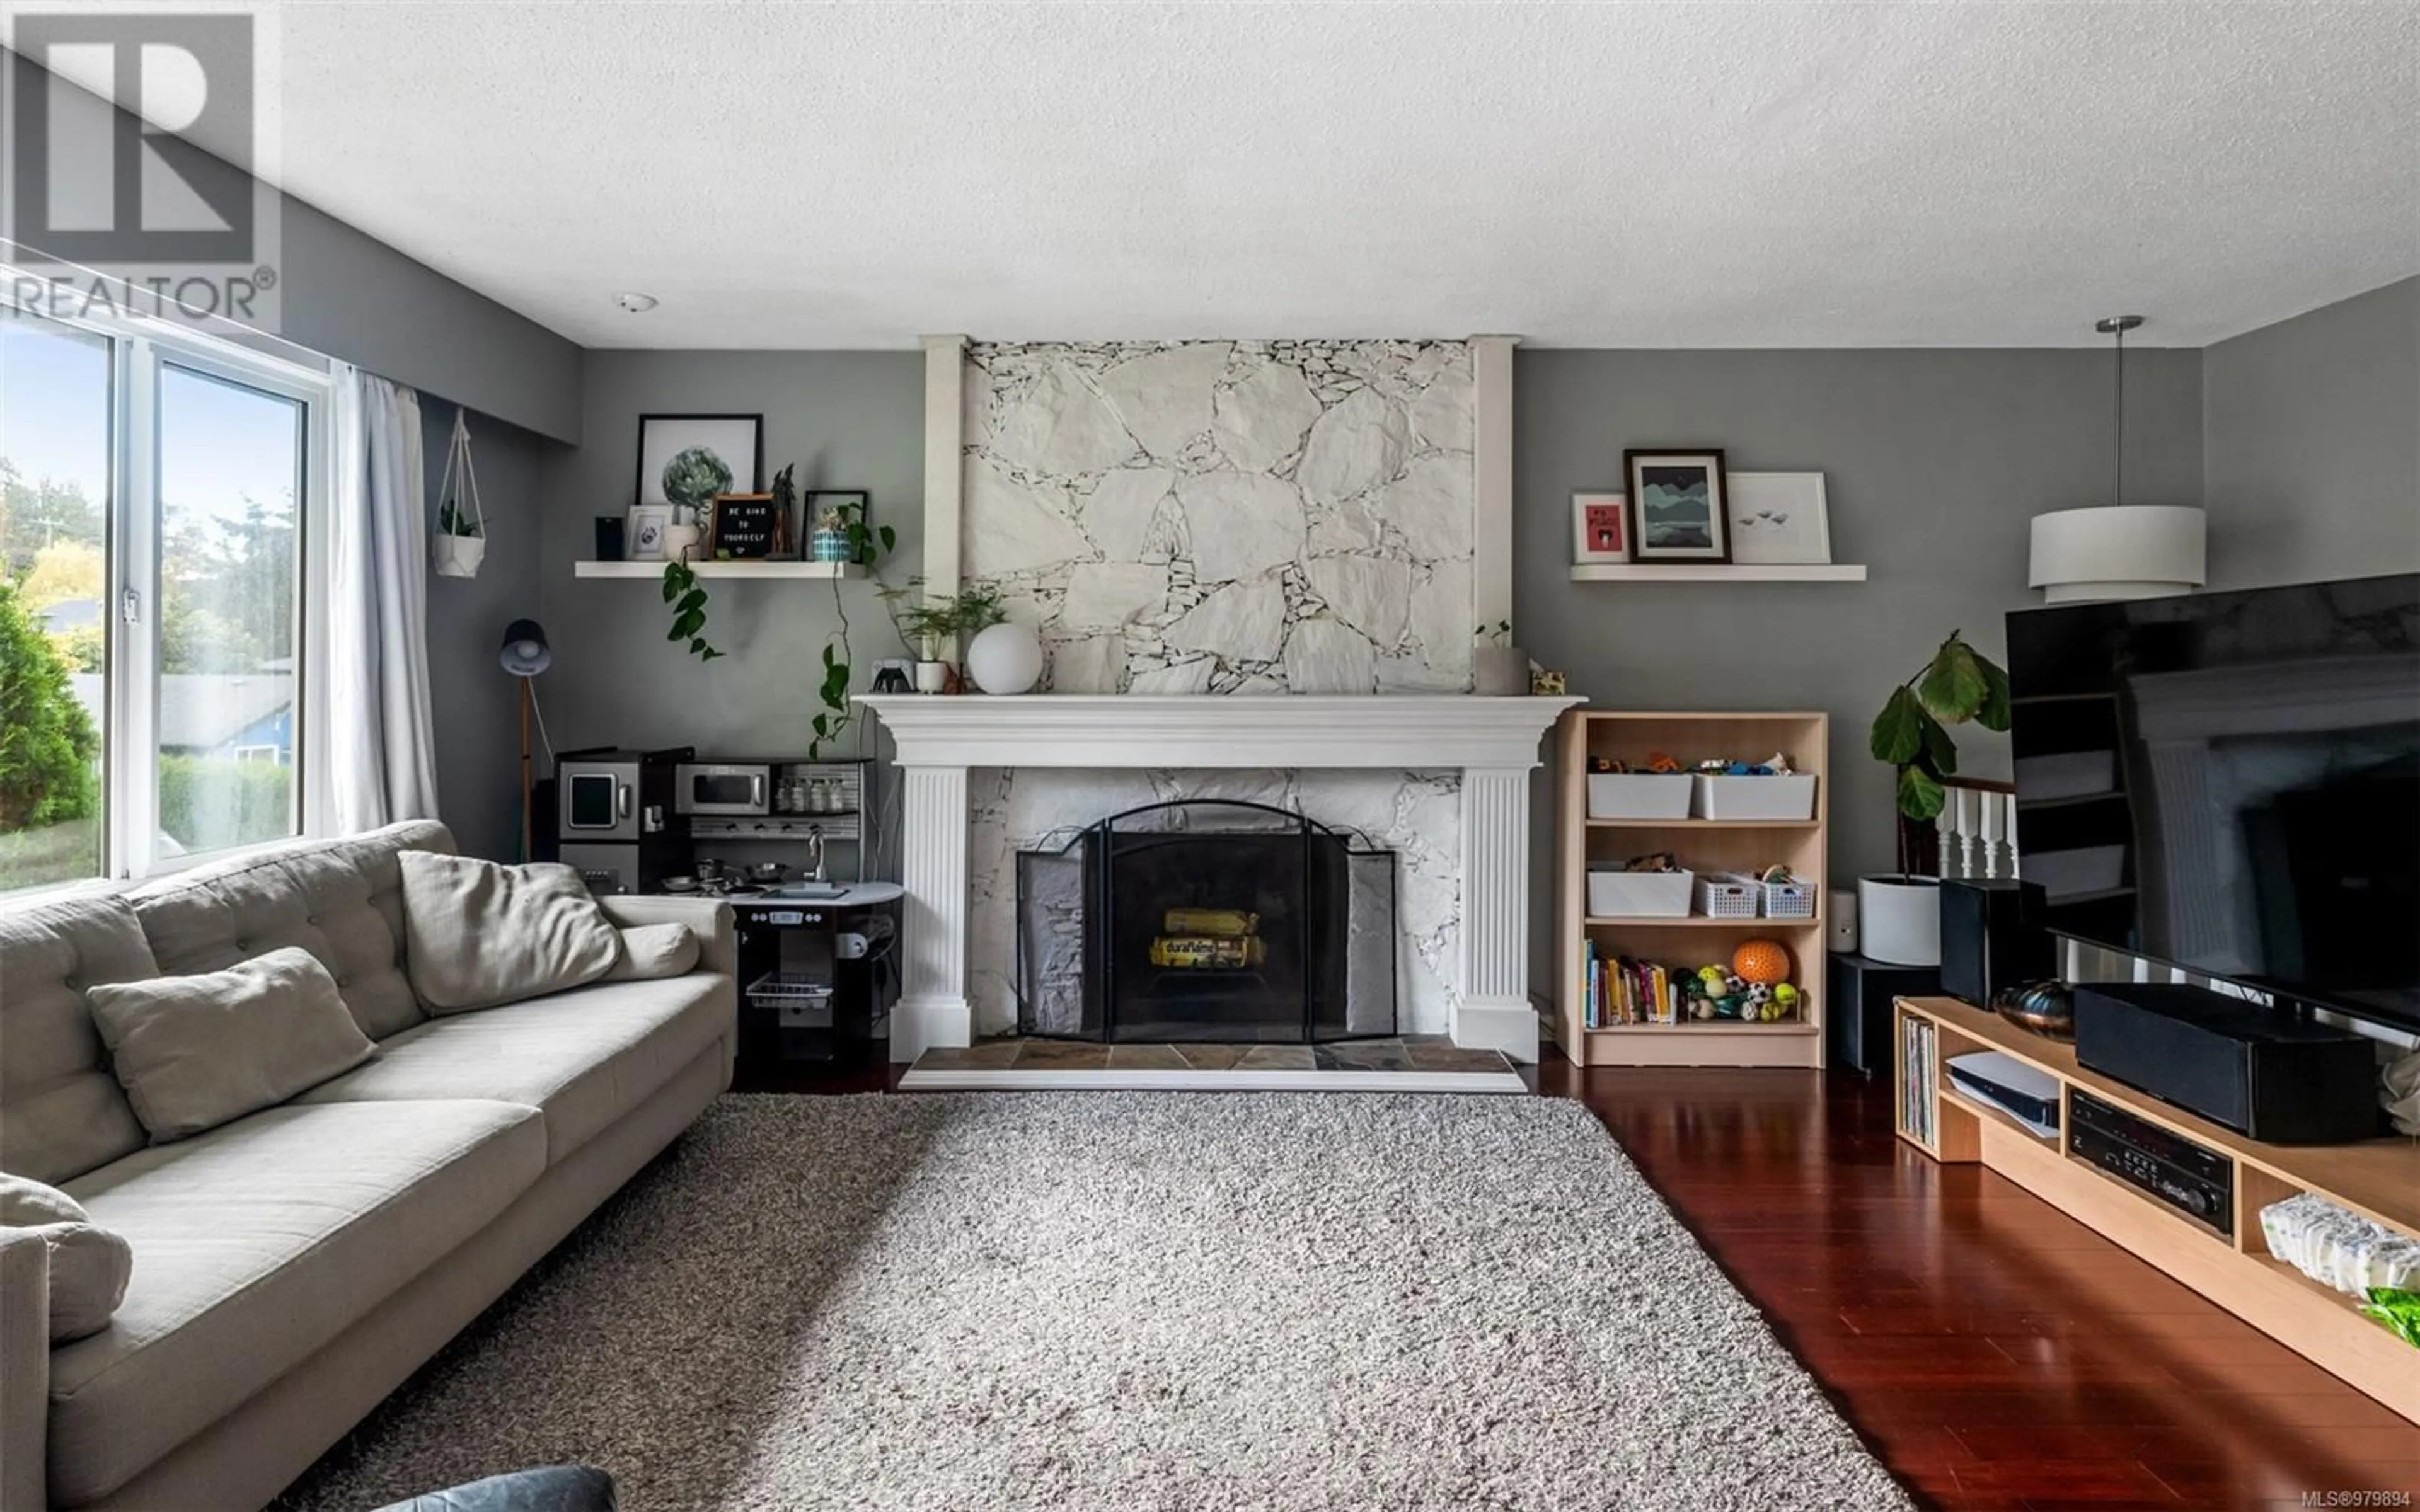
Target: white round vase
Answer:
pixel 1007 658
pixel 1898 918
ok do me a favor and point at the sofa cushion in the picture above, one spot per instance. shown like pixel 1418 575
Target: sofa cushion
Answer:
pixel 61 1112
pixel 88 1264
pixel 585 1056
pixel 651 953
pixel 341 900
pixel 196 1052
pixel 479 934
pixel 256 1244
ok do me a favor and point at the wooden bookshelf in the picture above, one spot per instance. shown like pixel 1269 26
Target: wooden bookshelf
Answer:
pixel 2377 1178
pixel 1702 845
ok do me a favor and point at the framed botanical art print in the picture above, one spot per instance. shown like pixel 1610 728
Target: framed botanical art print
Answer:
pixel 685 460
pixel 1600 529
pixel 1780 518
pixel 1679 506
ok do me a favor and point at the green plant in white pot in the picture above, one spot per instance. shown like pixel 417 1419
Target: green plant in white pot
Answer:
pixel 1899 913
pixel 461 541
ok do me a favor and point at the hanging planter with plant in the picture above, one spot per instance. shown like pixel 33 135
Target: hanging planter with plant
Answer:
pixel 461 543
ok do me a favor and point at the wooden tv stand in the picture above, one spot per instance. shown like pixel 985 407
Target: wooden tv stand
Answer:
pixel 2377 1178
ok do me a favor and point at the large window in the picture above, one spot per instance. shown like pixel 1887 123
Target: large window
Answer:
pixel 160 491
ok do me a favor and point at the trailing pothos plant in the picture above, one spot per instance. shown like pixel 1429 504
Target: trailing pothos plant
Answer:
pixel 1911 733
pixel 689 610
pixel 867 545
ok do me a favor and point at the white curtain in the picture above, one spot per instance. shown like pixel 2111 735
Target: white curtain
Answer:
pixel 383 751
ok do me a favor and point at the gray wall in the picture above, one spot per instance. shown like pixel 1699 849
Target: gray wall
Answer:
pixel 2311 451
pixel 850 420
pixel 1935 461
pixel 477 703
pixel 349 296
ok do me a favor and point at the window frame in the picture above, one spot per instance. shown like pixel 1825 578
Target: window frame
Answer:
pixel 140 350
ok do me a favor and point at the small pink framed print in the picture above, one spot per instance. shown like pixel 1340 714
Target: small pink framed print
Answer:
pixel 1599 528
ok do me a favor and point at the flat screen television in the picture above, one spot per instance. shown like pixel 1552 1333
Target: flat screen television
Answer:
pixel 2230 783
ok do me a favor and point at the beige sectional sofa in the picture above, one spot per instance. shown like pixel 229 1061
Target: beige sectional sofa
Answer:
pixel 292 1267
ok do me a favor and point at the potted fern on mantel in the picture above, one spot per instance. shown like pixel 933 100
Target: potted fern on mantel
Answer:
pixel 1899 913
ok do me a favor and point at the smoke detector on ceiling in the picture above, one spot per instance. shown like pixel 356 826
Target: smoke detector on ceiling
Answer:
pixel 636 303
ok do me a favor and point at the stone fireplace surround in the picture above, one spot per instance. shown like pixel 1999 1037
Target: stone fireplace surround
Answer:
pixel 1254 564
pixel 1489 744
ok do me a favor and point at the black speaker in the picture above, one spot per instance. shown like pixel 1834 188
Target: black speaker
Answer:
pixel 2259 1070
pixel 1991 937
pixel 1857 1015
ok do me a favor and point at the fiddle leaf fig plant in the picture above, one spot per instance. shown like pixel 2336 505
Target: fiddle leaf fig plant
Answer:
pixel 1912 733
pixel 688 600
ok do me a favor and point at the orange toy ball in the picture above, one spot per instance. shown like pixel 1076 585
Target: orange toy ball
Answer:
pixel 1761 961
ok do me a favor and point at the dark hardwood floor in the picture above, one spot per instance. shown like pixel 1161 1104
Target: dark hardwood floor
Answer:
pixel 1993 1351
pixel 1994 1354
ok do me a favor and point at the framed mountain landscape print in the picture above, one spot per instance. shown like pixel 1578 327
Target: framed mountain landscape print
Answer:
pixel 1679 511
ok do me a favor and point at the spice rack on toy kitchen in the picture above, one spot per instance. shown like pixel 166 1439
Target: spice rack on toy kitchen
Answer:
pixel 1728 825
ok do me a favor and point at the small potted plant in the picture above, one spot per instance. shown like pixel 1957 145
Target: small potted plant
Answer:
pixel 692 480
pixel 926 629
pixel 1899 913
pixel 934 628
pixel 1498 668
pixel 461 541
pixel 829 541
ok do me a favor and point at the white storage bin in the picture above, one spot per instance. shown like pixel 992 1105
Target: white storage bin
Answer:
pixel 1640 894
pixel 1638 794
pixel 1729 895
pixel 1756 797
pixel 1787 899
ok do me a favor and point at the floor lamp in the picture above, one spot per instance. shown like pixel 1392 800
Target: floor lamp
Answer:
pixel 525 654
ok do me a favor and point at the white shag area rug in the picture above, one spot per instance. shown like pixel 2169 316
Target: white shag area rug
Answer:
pixel 1128 1302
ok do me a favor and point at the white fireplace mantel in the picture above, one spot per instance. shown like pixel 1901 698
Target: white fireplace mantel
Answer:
pixel 1492 742
pixel 1306 730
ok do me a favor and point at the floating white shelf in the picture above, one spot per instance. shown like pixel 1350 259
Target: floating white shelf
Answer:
pixel 821 570
pixel 1714 571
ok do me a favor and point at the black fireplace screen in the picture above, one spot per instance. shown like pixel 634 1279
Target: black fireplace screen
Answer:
pixel 1210 920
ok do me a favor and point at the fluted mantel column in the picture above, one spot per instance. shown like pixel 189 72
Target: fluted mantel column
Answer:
pixel 933 1008
pixel 1493 1012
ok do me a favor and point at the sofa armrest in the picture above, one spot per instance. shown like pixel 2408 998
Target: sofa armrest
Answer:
pixel 24 1370
pixel 709 919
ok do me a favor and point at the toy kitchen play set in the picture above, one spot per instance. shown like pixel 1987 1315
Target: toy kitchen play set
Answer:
pixel 783 843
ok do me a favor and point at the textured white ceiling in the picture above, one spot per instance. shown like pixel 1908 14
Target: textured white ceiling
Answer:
pixel 1712 174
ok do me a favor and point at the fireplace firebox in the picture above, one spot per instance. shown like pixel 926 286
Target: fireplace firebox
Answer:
pixel 1206 919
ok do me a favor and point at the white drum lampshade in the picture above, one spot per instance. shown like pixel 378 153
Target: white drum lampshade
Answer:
pixel 1005 659
pixel 2118 552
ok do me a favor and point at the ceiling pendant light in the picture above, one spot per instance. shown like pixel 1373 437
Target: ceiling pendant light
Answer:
pixel 2117 549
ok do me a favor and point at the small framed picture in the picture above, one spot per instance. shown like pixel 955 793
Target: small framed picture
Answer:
pixel 687 459
pixel 645 536
pixel 1780 518
pixel 1599 528
pixel 1679 507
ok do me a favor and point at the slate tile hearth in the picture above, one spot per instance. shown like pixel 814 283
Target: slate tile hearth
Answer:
pixel 1411 1051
